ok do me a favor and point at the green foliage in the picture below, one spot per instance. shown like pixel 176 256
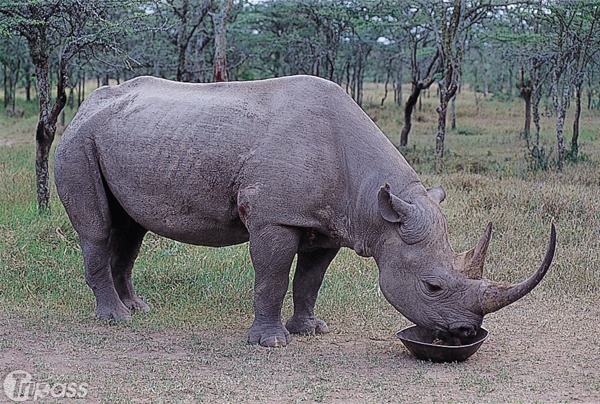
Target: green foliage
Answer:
pixel 581 157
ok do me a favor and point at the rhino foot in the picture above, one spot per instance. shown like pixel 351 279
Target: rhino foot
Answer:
pixel 306 325
pixel 117 311
pixel 272 336
pixel 136 303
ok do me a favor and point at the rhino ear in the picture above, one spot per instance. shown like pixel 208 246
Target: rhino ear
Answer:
pixel 438 194
pixel 392 208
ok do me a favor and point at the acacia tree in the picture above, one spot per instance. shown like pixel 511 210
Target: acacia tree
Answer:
pixel 586 44
pixel 281 37
pixel 450 30
pixel 410 28
pixel 451 22
pixel 220 28
pixel 15 62
pixel 59 29
pixel 189 22
pixel 573 30
pixel 330 19
pixel 423 63
pixel 520 39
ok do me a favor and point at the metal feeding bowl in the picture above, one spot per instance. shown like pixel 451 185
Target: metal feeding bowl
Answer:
pixel 423 344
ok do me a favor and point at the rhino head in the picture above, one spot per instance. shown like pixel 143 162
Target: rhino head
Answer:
pixel 426 281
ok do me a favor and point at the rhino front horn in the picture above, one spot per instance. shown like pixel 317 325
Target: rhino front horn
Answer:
pixel 498 295
pixel 470 263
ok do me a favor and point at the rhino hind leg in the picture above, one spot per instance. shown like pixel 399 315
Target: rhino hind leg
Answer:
pixel 96 257
pixel 125 242
pixel 272 250
pixel 93 211
pixel 310 270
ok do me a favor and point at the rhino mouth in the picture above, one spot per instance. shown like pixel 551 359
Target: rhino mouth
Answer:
pixel 463 330
pixel 456 334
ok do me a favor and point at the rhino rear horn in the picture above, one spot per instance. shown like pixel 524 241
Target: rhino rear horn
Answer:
pixel 470 263
pixel 495 296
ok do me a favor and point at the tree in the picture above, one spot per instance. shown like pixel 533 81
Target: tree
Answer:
pixel 586 44
pixel 60 29
pixel 521 40
pixel 189 20
pixel 450 29
pixel 451 22
pixel 421 78
pixel 14 61
pixel 411 27
pixel 574 29
pixel 220 28
pixel 328 21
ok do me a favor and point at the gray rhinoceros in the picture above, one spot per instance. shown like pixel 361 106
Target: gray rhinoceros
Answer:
pixel 291 165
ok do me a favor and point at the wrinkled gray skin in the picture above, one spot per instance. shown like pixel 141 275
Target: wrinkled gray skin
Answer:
pixel 291 165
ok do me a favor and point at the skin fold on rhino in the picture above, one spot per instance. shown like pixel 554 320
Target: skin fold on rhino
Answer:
pixel 291 165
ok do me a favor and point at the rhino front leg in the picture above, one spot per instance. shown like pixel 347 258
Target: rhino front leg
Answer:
pixel 125 243
pixel 310 270
pixel 98 276
pixel 272 250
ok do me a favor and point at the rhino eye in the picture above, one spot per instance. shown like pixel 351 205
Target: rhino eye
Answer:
pixel 432 287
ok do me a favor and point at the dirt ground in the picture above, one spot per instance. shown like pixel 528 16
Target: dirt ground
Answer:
pixel 538 351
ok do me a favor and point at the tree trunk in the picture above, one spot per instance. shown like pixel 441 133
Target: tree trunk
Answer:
pixel 80 87
pixel 359 83
pixel 485 81
pixel 385 88
pixel 560 107
pixel 182 40
pixel 330 63
pixel 453 112
pixel 181 62
pixel 387 80
pixel 44 135
pixel 574 140
pixel 46 127
pixel 27 85
pixel 220 28
pixel 442 110
pixel 348 78
pixel 408 110
pixel 5 83
pixel 535 106
pixel 589 89
pixel 447 90
pixel 409 107
pixel 527 97
pixel 398 88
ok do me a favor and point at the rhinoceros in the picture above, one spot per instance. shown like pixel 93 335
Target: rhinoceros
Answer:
pixel 293 166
